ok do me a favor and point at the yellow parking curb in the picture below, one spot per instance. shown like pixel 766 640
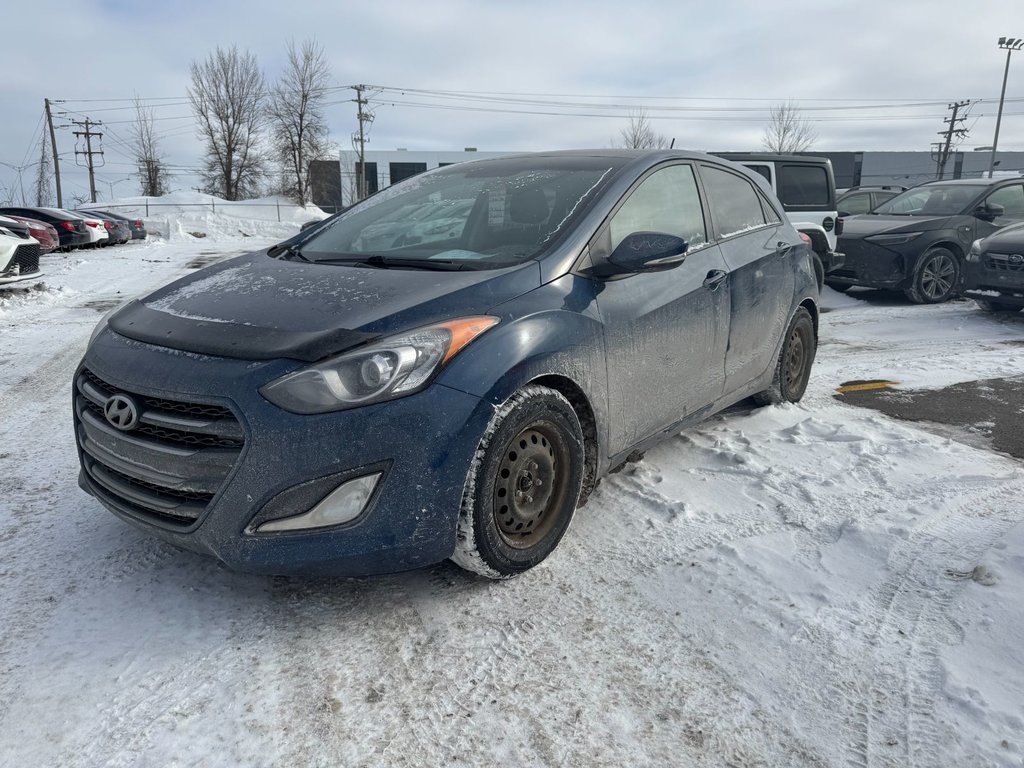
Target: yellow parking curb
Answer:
pixel 865 386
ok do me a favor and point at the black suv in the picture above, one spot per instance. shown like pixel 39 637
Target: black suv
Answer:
pixel 916 242
pixel 857 200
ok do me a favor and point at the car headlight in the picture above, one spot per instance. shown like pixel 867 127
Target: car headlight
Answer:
pixel 974 255
pixel 896 238
pixel 394 367
pixel 106 319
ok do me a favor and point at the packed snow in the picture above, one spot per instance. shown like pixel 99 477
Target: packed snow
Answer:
pixel 801 585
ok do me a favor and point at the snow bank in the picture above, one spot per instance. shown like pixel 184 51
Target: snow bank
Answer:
pixel 187 216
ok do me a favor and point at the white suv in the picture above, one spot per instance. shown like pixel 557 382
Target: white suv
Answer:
pixel 806 188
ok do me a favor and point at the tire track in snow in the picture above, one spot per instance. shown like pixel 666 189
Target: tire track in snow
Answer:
pixel 912 608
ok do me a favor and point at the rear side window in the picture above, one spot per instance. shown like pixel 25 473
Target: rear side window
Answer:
pixel 735 206
pixel 803 185
pixel 764 170
pixel 854 204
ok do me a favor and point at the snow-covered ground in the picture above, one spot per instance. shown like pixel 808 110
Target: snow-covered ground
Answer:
pixel 809 585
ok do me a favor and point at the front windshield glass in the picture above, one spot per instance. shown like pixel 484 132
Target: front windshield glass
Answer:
pixel 478 215
pixel 937 200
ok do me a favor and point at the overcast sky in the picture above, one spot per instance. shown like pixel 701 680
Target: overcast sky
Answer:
pixel 725 61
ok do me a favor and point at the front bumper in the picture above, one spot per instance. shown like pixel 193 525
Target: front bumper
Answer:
pixel 996 277
pixel 22 265
pixel 283 462
pixel 865 263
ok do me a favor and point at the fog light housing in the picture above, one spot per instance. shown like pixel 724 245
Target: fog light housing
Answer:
pixel 342 505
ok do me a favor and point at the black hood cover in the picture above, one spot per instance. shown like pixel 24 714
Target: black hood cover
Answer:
pixel 259 308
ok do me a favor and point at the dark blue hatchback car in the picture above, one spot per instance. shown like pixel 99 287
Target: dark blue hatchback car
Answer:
pixel 448 368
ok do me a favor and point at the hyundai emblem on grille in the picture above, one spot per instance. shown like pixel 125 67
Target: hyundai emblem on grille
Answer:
pixel 121 412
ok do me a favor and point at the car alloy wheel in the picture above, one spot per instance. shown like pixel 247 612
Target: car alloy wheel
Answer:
pixel 935 278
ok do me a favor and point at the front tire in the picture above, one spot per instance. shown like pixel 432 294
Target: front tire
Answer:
pixel 996 306
pixel 793 369
pixel 935 277
pixel 523 485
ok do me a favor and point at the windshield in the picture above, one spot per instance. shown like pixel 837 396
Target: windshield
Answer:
pixel 479 215
pixel 937 200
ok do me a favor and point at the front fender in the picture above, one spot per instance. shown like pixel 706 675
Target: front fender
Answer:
pixel 533 340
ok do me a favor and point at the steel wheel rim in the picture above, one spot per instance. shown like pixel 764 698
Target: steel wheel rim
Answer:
pixel 937 276
pixel 530 485
pixel 795 354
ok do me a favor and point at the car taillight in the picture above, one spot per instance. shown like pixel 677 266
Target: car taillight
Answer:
pixel 68 226
pixel 839 227
pixel 92 224
pixel 107 225
pixel 138 223
pixel 806 238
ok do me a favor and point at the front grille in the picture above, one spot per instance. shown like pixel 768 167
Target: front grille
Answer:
pixel 168 466
pixel 1004 262
pixel 26 258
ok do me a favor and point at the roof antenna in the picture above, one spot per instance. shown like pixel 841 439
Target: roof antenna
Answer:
pixel 673 144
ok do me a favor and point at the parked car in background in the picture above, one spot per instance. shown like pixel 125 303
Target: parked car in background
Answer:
pixel 916 242
pixel 71 230
pixel 98 235
pixel 136 226
pixel 44 233
pixel 118 232
pixel 806 187
pixel 454 395
pixel 993 273
pixel 857 200
pixel 19 255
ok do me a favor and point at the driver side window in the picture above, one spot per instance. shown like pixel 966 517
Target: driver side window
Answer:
pixel 1012 200
pixel 666 201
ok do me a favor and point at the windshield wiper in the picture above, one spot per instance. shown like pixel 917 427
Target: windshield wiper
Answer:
pixel 398 262
pixel 286 253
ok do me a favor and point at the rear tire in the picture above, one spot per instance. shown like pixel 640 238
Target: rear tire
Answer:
pixel 819 269
pixel 523 485
pixel 793 369
pixel 996 306
pixel 935 277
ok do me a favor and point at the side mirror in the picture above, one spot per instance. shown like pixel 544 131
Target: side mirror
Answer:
pixel 989 211
pixel 648 252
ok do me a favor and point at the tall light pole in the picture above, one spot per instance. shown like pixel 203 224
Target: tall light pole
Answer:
pixel 1011 44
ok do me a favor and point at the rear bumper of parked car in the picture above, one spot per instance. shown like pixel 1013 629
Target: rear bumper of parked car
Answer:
pixel 995 277
pixel 867 264
pixel 270 464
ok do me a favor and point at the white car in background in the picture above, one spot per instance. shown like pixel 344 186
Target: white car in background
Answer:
pixel 19 257
pixel 98 234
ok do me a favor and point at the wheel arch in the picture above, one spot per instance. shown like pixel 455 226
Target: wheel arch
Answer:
pixel 580 403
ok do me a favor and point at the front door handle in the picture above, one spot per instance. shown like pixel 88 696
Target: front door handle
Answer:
pixel 714 279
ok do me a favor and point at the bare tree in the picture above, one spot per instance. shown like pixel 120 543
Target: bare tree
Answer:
pixel 787 130
pixel 227 98
pixel 148 158
pixel 43 172
pixel 298 128
pixel 640 134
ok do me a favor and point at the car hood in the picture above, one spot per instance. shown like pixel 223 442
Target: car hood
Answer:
pixel 1007 240
pixel 259 308
pixel 876 224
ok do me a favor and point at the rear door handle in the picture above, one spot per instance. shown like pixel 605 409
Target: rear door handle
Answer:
pixel 714 279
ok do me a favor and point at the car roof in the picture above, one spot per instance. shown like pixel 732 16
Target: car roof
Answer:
pixel 770 157
pixel 969 182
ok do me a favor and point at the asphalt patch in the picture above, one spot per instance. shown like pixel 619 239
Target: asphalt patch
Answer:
pixel 987 413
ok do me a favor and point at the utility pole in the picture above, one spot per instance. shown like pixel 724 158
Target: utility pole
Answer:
pixel 53 146
pixel 949 133
pixel 87 123
pixel 365 118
